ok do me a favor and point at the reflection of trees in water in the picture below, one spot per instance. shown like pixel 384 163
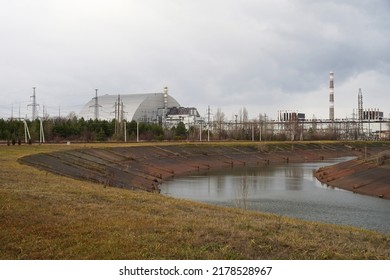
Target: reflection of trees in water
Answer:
pixel 294 172
pixel 298 174
pixel 242 190
pixel 220 183
pixel 239 184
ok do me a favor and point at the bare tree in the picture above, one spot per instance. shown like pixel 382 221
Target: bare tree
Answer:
pixel 219 121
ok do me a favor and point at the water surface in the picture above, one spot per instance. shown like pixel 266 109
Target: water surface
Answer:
pixel 288 190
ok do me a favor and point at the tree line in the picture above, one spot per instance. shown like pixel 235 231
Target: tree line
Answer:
pixel 74 129
pixel 80 130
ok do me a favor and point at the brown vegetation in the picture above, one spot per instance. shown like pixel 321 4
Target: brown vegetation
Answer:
pixel 46 216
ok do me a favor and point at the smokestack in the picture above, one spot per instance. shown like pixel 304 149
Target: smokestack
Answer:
pixel 165 92
pixel 331 96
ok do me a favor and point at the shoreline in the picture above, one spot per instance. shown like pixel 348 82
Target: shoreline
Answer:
pixel 146 167
pixel 358 176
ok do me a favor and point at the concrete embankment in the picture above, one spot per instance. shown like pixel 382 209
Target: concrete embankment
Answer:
pixel 145 167
pixel 368 177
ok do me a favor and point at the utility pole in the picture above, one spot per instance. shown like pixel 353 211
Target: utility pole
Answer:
pixel 208 124
pixel 125 130
pixel 122 118
pixel 117 109
pixel 116 115
pixel 119 115
pixel 34 106
pixel 137 131
pixel 260 127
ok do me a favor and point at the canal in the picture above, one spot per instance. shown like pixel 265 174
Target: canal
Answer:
pixel 287 190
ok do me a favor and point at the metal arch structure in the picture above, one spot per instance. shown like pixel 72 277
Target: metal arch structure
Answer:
pixel 27 135
pixel 41 132
pixel 26 131
pixel 139 107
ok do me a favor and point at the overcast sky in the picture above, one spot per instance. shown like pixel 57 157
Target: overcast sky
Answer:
pixel 264 55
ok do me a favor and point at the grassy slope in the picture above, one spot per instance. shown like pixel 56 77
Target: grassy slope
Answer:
pixel 45 216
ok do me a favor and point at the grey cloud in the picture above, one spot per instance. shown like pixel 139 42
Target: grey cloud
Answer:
pixel 222 53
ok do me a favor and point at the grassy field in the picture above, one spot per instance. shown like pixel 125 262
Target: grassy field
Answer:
pixel 46 216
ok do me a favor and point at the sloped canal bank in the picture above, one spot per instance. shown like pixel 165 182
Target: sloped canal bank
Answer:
pixel 369 177
pixel 145 167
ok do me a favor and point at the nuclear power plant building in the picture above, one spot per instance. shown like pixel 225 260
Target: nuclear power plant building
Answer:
pixel 149 107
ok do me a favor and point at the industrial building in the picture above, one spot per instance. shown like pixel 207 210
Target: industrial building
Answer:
pixel 158 108
pixel 286 116
pixel 372 114
pixel 146 107
pixel 181 114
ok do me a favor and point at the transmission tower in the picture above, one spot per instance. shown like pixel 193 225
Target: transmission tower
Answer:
pixel 119 115
pixel 360 112
pixel 208 123
pixel 96 105
pixel 34 106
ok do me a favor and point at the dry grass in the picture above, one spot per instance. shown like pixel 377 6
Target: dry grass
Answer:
pixel 45 216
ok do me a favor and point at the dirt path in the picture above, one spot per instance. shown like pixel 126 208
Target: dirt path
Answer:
pixel 145 167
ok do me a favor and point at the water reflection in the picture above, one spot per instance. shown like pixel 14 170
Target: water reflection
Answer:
pixel 242 192
pixel 290 190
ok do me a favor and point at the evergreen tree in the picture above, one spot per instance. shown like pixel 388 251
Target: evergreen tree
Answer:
pixel 181 130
